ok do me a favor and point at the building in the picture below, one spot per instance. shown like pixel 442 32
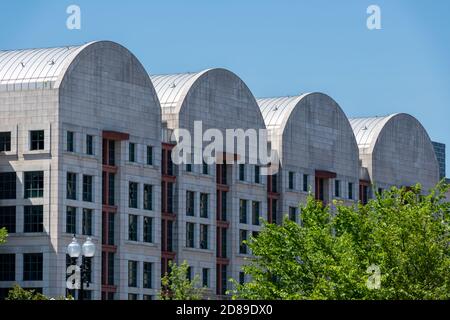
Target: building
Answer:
pixel 86 144
pixel 439 149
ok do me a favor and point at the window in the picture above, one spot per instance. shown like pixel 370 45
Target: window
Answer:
pixel 111 228
pixel 148 229
pixel 110 278
pixel 257 174
pixel 87 222
pixel 190 203
pixel 205 168
pixel 37 140
pixel 71 186
pixel 87 188
pixel 89 144
pixel 70 141
pixel 132 227
pixel 256 207
pixel 350 190
pixel 188 167
pixel 111 189
pixel 33 219
pixel 205 277
pixel 241 278
pixel 337 188
pixel 204 205
pixel 5 141
pixel 293 213
pixel 189 273
pixel 147 297
pixel 32 266
pixel 203 236
pixel 132 296
pixel 71 220
pixel 224 278
pixel 147 275
pixel 7 185
pixel 242 238
pixel 291 180
pixel 305 183
pixel 132 152
pixel 132 273
pixel 242 211
pixel 274 183
pixel 7 267
pixel 242 172
pixel 8 218
pixel 148 197
pixel 190 235
pixel 133 195
pixel 34 184
pixel 149 155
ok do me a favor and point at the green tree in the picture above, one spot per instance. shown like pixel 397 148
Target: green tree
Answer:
pixel 395 247
pixel 176 285
pixel 18 293
pixel 3 235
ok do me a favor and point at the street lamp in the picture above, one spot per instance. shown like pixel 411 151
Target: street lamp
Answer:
pixel 87 250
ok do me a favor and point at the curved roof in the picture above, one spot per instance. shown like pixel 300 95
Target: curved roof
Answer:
pixel 367 130
pixel 172 88
pixel 276 111
pixel 29 69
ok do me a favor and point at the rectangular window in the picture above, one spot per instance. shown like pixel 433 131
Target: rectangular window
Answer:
pixel 34 184
pixel 132 273
pixel 111 228
pixel 132 296
pixel 8 218
pixel 205 168
pixel 204 205
pixel 148 229
pixel 256 207
pixel 133 195
pixel 71 186
pixel 148 197
pixel 7 185
pixel 132 152
pixel 87 188
pixel 242 172
pixel 274 211
pixel 224 278
pixel 305 183
pixel 132 227
pixel 257 174
pixel 110 268
pixel 190 235
pixel 37 140
pixel 203 236
pixel 241 278
pixel 337 188
pixel 293 214
pixel 147 275
pixel 149 155
pixel 87 222
pixel 5 141
pixel 223 212
pixel 71 220
pixel 32 266
pixel 242 211
pixel 111 189
pixel 7 267
pixel 291 180
pixel 33 219
pixel 70 141
pixel 205 277
pixel 147 297
pixel 242 246
pixel 350 190
pixel 188 167
pixel 169 235
pixel 89 144
pixel 112 152
pixel 274 184
pixel 189 273
pixel 190 203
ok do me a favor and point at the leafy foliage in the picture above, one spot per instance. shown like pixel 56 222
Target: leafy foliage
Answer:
pixel 3 235
pixel 404 234
pixel 175 285
pixel 18 293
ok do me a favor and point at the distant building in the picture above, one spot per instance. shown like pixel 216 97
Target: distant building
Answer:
pixel 439 149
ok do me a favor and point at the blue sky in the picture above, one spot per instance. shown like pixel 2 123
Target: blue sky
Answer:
pixel 277 47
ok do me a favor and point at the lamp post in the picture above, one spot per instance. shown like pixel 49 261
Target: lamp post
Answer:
pixel 87 250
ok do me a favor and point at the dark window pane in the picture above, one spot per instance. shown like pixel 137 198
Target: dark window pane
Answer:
pixel 147 275
pixel 8 218
pixel 148 197
pixel 7 185
pixel 34 184
pixel 190 235
pixel 132 227
pixel 89 144
pixel 243 211
pixel 148 229
pixel 149 155
pixel 256 212
pixel 190 203
pixel 71 186
pixel 7 267
pixel 5 141
pixel 32 266
pixel 203 236
pixel 204 205
pixel 132 152
pixel 87 222
pixel 242 238
pixel 70 141
pixel 87 188
pixel 33 219
pixel 133 195
pixel 71 220
pixel 132 273
pixel 37 140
